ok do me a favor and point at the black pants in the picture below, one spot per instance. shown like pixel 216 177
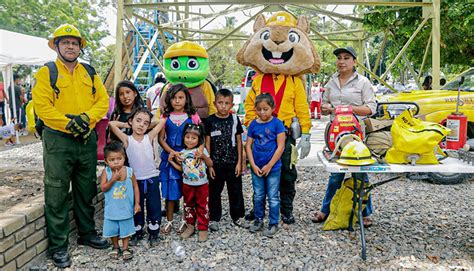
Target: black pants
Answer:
pixel 226 174
pixel 287 180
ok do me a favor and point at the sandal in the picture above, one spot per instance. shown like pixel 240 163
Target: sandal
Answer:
pixel 167 228
pixel 319 217
pixel 182 227
pixel 367 222
pixel 127 254
pixel 114 254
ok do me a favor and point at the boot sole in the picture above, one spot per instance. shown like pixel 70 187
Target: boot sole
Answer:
pixel 62 265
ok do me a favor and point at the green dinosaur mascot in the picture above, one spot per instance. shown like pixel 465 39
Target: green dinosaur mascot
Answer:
pixel 188 63
pixel 280 51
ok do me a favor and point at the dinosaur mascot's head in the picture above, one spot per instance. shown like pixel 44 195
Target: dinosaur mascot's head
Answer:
pixel 280 45
pixel 187 63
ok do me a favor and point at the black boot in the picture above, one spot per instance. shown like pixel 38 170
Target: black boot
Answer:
pixel 94 241
pixel 61 259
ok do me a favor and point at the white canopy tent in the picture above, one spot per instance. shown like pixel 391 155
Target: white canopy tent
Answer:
pixel 15 49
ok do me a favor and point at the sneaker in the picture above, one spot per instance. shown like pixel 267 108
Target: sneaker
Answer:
pixel 288 219
pixel 270 232
pixel 153 240
pixel 250 216
pixel 213 225
pixel 256 226
pixel 9 144
pixel 203 235
pixel 241 222
pixel 188 231
pixel 136 238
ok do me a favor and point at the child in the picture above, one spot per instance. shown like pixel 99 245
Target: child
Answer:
pixel 195 185
pixel 7 132
pixel 224 142
pixel 122 199
pixel 265 144
pixel 178 111
pixel 127 99
pixel 140 156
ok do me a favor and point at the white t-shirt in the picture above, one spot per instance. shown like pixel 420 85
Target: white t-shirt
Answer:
pixel 140 157
pixel 151 94
pixel 316 94
pixel 7 131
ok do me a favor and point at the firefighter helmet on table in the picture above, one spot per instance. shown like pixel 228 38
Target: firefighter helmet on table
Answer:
pixel 355 153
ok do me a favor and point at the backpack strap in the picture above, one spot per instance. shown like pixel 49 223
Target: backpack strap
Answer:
pixel 91 71
pixel 53 77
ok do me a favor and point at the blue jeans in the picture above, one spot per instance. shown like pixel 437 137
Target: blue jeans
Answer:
pixel 268 186
pixel 335 182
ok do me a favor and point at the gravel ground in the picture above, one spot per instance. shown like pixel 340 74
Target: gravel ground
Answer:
pixel 417 225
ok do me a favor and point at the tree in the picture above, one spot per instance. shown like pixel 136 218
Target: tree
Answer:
pixel 457 37
pixel 222 61
pixel 41 18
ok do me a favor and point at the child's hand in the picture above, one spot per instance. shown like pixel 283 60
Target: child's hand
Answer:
pixel 137 209
pixel 257 170
pixel 266 169
pixel 178 157
pixel 238 170
pixel 171 156
pixel 212 173
pixel 116 176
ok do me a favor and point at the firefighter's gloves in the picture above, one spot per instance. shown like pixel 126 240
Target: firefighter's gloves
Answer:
pixel 79 125
pixel 304 146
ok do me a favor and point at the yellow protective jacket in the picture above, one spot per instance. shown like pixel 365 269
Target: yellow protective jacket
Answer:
pixel 75 97
pixel 294 101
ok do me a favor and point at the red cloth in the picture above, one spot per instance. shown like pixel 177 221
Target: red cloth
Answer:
pixel 269 87
pixel 196 205
pixel 314 105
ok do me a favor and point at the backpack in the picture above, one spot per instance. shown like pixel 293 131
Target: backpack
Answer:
pixel 341 206
pixel 53 79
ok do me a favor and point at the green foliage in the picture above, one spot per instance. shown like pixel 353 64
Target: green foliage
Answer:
pixel 222 62
pixel 103 60
pixel 41 17
pixel 457 39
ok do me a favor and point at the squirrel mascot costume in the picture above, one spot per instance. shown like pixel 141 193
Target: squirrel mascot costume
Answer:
pixel 280 51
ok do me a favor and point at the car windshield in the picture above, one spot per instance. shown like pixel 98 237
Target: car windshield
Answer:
pixel 468 84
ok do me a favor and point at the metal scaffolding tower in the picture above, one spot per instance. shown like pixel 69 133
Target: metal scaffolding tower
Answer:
pixel 128 9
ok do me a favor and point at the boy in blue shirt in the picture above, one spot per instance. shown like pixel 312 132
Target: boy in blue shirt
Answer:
pixel 122 199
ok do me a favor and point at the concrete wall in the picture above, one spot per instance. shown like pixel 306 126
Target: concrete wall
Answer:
pixel 23 234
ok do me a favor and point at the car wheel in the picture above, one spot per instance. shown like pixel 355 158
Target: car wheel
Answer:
pixel 448 178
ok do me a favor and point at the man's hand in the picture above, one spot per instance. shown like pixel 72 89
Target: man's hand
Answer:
pixel 304 145
pixel 266 170
pixel 326 109
pixel 79 125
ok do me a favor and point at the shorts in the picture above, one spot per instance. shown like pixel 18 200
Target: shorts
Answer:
pixel 122 228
